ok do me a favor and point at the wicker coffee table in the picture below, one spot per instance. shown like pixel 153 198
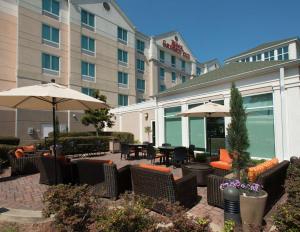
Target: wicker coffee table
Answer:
pixel 201 170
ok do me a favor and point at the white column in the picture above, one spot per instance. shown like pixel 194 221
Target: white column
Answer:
pixel 141 127
pixel 161 127
pixel 227 120
pixel 185 127
pixel 120 123
pixel 278 124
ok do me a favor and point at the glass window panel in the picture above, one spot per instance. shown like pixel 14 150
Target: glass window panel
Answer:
pixel 280 57
pixel 55 63
pixel 84 16
pixel 47 5
pixel 91 20
pixel 55 35
pixel 258 100
pixel 286 56
pixel 173 131
pixel 125 78
pixel 125 54
pixel 260 125
pixel 84 42
pixel 84 68
pixel 46 61
pixel 92 45
pixel 285 49
pixel 46 32
pixel 124 35
pixel 119 55
pixel 55 7
pixel 120 78
pixel 119 33
pixel 85 90
pixel 92 70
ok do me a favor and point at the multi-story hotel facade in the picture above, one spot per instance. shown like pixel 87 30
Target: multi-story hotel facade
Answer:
pixel 87 46
pixel 270 87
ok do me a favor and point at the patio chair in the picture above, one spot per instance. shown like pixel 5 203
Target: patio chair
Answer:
pixel 224 164
pixel 103 175
pixel 144 149
pixel 125 150
pixel 63 170
pixel 159 183
pixel 191 155
pixel 179 155
pixel 151 154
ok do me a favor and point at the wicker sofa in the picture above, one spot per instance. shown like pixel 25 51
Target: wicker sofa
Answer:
pixel 108 181
pixel 161 185
pixel 272 180
pixel 63 169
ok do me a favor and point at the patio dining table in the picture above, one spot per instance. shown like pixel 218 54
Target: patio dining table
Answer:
pixel 167 150
pixel 137 148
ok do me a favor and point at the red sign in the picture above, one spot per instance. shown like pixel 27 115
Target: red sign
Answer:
pixel 176 47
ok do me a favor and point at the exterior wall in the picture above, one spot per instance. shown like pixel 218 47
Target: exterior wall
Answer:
pixel 283 83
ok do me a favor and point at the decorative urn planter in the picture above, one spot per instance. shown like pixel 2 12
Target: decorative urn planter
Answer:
pixel 252 210
pixel 231 197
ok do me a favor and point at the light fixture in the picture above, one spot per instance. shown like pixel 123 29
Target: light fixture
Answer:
pixel 146 115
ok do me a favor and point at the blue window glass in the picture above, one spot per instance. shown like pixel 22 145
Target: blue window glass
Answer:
pixel 162 56
pixel 140 46
pixel 87 18
pixel 46 32
pixel 123 78
pixel 140 84
pixel 92 70
pixel 51 6
pixel 162 88
pixel 87 70
pixel 88 91
pixel 84 68
pixel 122 56
pixel 50 62
pixel 50 33
pixel 87 43
pixel 122 34
pixel 140 65
pixel 161 73
pixel 122 100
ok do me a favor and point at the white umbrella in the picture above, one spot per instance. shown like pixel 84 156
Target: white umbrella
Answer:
pixel 208 110
pixel 49 96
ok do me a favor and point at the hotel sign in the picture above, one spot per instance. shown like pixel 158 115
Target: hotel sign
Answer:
pixel 176 47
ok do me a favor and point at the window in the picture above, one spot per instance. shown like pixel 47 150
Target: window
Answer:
pixel 269 55
pixel 247 59
pixel 183 79
pixel 162 74
pixel 140 46
pixel 140 65
pixel 87 45
pixel 161 56
pixel 122 35
pixel 88 91
pixel 256 58
pixel 196 129
pixel 283 53
pixel 182 64
pixel 198 71
pixel 173 61
pixel 173 77
pixel 50 35
pixel 173 126
pixel 162 88
pixel 50 64
pixel 87 19
pixel 123 79
pixel 260 125
pixel 140 85
pixel 122 57
pixel 122 100
pixel 87 71
pixel 51 8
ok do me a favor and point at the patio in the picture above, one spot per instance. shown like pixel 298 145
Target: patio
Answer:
pixel 25 192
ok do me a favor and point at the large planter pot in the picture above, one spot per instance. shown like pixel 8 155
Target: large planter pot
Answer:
pixel 252 210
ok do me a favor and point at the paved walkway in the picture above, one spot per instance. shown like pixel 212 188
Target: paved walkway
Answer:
pixel 25 192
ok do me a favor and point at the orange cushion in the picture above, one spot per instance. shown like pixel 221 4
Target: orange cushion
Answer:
pixel 46 154
pixel 99 161
pixel 19 153
pixel 224 156
pixel 221 165
pixel 155 168
pixel 30 148
pixel 254 172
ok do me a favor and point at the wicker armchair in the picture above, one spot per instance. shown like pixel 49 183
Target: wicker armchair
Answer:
pixel 106 179
pixel 63 170
pixel 24 165
pixel 161 185
pixel 272 181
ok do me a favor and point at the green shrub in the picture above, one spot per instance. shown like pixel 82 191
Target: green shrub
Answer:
pixel 71 145
pixel 287 215
pixel 4 156
pixel 72 207
pixel 9 140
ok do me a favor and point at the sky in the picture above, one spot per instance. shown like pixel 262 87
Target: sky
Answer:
pixel 217 28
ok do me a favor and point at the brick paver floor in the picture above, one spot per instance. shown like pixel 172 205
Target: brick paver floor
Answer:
pixel 25 192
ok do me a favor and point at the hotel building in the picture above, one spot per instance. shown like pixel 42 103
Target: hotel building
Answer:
pixel 87 46
pixel 268 77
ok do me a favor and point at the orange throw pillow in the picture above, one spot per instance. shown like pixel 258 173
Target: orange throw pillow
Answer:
pixel 155 168
pixel 19 153
pixel 224 156
pixel 221 165
pixel 46 154
pixel 254 172
pixel 30 148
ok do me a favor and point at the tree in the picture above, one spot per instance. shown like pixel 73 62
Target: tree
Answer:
pixel 98 118
pixel 237 131
pixel 148 131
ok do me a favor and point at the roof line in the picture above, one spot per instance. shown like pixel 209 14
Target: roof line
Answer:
pixel 123 14
pixel 227 77
pixel 255 51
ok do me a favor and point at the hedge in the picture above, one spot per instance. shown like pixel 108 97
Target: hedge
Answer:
pixel 9 140
pixel 68 148
pixel 4 149
pixel 123 137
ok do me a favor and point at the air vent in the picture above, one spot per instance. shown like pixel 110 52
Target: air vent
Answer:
pixel 106 6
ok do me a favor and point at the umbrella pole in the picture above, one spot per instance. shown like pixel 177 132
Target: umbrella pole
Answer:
pixel 54 137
